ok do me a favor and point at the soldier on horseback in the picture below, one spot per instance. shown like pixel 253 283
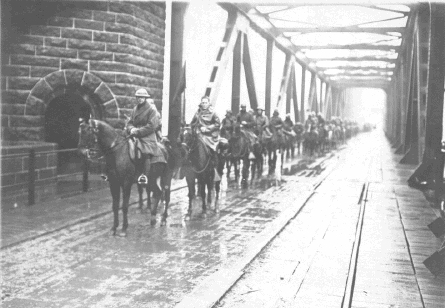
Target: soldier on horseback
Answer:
pixel 247 121
pixel 143 125
pixel 288 123
pixel 206 123
pixel 228 124
pixel 276 122
pixel 262 124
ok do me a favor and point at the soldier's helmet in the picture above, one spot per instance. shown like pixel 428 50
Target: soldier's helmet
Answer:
pixel 243 105
pixel 228 111
pixel 288 116
pixel 276 112
pixel 142 93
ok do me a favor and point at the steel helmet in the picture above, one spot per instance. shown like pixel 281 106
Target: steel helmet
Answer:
pixel 259 108
pixel 243 105
pixel 142 93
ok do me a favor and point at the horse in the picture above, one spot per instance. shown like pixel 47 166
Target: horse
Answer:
pixel 276 143
pixel 290 138
pixel 310 140
pixel 198 165
pixel 96 137
pixel 299 132
pixel 239 151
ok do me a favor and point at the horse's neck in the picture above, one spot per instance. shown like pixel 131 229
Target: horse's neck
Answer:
pixel 108 136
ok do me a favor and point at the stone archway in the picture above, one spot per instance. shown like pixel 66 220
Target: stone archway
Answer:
pixel 90 87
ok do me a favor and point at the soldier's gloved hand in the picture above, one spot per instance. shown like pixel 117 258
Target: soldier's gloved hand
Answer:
pixel 133 131
pixel 204 129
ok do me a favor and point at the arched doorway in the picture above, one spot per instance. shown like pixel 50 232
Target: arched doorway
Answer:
pixel 62 127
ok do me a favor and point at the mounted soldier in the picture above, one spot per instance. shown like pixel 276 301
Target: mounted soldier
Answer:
pixel 228 124
pixel 206 124
pixel 143 125
pixel 262 125
pixel 247 122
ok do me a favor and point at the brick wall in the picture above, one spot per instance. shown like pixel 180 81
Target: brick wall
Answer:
pixel 102 50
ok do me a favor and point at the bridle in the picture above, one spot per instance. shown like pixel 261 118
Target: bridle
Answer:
pixel 96 149
pixel 193 146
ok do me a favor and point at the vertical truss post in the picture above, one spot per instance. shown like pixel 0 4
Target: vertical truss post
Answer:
pixel 313 94
pixel 302 102
pixel 236 76
pixel 321 97
pixel 177 74
pixel 290 89
pixel 269 58
pixel 434 142
pixel 284 79
pixel 295 95
pixel 250 81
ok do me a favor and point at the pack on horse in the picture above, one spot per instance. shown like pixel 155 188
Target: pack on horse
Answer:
pixel 99 138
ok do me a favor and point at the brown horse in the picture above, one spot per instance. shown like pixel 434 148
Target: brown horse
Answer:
pixel 277 143
pixel 97 137
pixel 198 165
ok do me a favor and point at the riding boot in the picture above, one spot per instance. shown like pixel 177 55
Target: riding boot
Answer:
pixel 145 164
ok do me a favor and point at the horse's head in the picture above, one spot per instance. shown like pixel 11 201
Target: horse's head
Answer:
pixel 95 136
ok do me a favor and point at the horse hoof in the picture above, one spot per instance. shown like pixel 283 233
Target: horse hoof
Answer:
pixel 122 233
pixel 163 223
pixel 153 222
pixel 187 217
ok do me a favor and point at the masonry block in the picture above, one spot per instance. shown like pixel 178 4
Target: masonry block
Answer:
pixel 56 80
pixel 77 34
pixel 41 90
pixel 31 39
pixel 8 179
pixel 106 37
pixel 74 64
pixel 23 49
pixel 74 76
pixel 56 52
pixel 61 21
pixel 14 96
pixel 26 121
pixel 35 60
pixel 123 89
pixel 90 81
pixel 125 102
pixel 105 76
pixel 45 31
pixel 132 79
pixel 46 173
pixel 119 7
pixel 95 55
pixel 89 24
pixel 56 42
pixel 40 71
pixel 126 19
pixel 21 83
pixel 34 106
pixel 75 12
pixel 12 109
pixel 81 44
pixel 109 66
pixel 5 120
pixel 104 93
pixel 14 70
pixel 110 109
pixel 103 16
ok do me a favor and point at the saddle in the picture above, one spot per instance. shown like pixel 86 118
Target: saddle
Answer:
pixel 135 153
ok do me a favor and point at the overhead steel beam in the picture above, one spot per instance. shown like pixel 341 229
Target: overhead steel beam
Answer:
pixel 303 86
pixel 248 70
pixel 269 58
pixel 342 29
pixel 353 46
pixel 236 75
pixel 352 59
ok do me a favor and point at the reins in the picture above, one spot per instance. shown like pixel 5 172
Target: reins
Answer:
pixel 195 141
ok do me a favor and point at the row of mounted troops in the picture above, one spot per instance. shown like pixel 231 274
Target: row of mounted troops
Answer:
pixel 139 153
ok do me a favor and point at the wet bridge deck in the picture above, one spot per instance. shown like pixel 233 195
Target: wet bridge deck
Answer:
pixel 290 243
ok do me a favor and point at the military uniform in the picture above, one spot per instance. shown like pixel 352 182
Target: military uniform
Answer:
pixel 208 119
pixel 248 118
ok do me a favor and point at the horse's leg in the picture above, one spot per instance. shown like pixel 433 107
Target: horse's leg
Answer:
pixel 141 198
pixel 217 190
pixel 245 171
pixel 115 193
pixel 202 188
pixel 210 188
pixel 166 192
pixel 125 201
pixel 190 178
pixel 157 194
pixel 235 168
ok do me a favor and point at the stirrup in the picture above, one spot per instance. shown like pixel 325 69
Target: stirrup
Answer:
pixel 142 180
pixel 104 177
